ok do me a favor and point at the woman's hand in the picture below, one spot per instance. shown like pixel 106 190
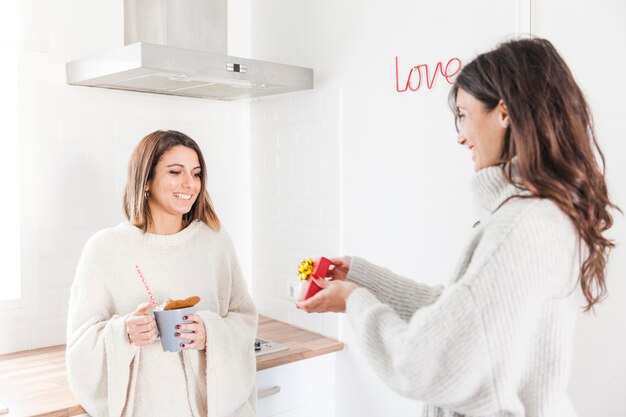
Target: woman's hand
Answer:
pixel 140 326
pixel 198 335
pixel 340 269
pixel 332 297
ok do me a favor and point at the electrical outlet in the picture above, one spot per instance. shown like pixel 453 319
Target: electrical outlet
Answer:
pixel 292 290
pixel 296 289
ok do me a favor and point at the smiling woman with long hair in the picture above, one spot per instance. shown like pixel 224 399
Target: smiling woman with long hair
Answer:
pixel 116 366
pixel 497 341
pixel 553 139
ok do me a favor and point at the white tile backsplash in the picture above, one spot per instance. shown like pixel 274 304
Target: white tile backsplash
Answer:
pixel 57 274
pixel 319 239
pixel 101 214
pixel 16 335
pixel 309 211
pixel 48 332
pixel 294 184
pixel 48 248
pixel 51 307
pixel 87 185
pixel 72 242
pixel 295 197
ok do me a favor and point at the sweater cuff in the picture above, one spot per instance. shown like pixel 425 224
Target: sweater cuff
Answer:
pixel 119 335
pixel 119 355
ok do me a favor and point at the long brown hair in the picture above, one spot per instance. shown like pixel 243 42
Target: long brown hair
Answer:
pixel 552 134
pixel 141 170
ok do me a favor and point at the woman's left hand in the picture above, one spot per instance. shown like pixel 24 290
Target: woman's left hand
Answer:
pixel 332 297
pixel 197 338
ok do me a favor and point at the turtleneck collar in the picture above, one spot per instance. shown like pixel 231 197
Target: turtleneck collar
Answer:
pixel 491 188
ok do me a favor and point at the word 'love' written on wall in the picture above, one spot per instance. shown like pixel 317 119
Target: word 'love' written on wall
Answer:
pixel 414 78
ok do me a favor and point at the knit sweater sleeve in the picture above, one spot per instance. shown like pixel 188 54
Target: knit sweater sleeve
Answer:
pixel 100 358
pixel 440 356
pixel 404 295
pixel 231 363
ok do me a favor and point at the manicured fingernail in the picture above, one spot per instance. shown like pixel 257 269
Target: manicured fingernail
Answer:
pixel 185 318
pixel 177 334
pixel 177 326
pixel 182 345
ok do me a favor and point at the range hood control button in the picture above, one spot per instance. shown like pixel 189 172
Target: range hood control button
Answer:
pixel 232 67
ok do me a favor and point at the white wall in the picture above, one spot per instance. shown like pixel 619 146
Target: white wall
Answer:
pixel 404 198
pixel 76 143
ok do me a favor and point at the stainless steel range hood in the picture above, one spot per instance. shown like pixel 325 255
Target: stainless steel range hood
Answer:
pixel 153 68
pixel 178 47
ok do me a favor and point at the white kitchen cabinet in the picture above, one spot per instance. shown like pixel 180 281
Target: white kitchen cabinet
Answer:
pixel 305 388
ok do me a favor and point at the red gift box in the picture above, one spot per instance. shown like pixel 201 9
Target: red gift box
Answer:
pixel 319 272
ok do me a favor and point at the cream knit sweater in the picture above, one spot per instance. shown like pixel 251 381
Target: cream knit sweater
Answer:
pixel 497 341
pixel 112 378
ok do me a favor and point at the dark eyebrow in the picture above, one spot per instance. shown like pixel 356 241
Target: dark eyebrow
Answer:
pixel 181 165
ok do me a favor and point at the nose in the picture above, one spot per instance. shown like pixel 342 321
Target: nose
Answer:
pixel 188 180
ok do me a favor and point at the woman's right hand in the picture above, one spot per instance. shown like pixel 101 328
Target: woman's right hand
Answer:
pixel 340 269
pixel 141 327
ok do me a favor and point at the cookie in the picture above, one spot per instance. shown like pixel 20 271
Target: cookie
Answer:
pixel 187 302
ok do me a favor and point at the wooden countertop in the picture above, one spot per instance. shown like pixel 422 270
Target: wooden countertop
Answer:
pixel 34 383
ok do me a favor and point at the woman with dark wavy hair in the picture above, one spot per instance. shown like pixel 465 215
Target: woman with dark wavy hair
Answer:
pixel 497 341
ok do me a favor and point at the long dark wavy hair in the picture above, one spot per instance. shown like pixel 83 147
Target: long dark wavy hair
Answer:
pixel 552 134
pixel 141 170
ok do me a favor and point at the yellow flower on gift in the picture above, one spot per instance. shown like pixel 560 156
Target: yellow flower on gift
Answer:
pixel 305 269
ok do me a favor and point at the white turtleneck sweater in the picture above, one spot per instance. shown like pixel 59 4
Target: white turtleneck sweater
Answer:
pixel 496 341
pixel 111 377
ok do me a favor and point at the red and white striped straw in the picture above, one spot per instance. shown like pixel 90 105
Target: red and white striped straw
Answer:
pixel 145 284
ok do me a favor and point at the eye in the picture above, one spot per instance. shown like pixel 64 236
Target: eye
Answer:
pixel 175 172
pixel 458 121
pixel 198 174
